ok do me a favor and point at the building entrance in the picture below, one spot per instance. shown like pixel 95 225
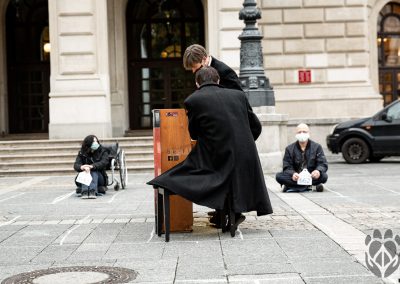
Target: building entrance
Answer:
pixel 158 32
pixel 28 65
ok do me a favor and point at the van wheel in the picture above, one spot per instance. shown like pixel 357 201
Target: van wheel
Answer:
pixel 355 151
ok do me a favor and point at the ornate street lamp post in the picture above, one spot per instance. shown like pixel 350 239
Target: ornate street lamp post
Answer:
pixel 252 76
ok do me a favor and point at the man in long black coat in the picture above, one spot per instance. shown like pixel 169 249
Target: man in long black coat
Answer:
pixel 225 158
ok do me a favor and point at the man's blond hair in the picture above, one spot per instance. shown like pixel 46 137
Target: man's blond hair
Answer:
pixel 193 54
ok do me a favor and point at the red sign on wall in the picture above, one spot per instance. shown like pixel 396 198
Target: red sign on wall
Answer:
pixel 304 76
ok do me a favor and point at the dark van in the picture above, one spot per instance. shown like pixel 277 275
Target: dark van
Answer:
pixel 371 138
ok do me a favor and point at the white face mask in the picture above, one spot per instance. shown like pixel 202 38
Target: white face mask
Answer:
pixel 302 137
pixel 95 146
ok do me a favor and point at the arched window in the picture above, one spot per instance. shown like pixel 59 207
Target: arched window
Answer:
pixel 389 51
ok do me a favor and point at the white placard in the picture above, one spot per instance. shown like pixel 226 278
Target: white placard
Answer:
pixel 305 178
pixel 84 178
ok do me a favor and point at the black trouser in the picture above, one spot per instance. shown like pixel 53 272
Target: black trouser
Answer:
pixel 286 179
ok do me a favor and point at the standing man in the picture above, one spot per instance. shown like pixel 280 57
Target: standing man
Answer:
pixel 196 57
pixel 225 159
pixel 300 155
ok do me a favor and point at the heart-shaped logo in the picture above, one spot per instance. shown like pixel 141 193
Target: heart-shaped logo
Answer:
pixel 382 256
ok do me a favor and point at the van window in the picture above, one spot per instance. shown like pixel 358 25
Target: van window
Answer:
pixel 394 111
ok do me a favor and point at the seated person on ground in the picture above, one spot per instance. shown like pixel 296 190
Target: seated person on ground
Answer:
pixel 92 158
pixel 300 155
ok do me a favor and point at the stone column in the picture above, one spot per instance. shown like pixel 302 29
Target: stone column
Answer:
pixel 272 140
pixel 80 80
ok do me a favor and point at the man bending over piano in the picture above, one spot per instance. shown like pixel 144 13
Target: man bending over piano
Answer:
pixel 224 161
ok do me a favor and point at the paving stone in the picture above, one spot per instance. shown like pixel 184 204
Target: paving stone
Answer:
pixel 139 251
pixel 201 270
pixel 15 255
pixel 279 248
pixel 278 278
pixel 157 270
pixel 316 266
pixel 257 268
pixel 311 248
pixel 54 253
pixel 197 249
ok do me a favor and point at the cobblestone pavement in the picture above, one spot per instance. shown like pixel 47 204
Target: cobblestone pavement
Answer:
pixel 44 224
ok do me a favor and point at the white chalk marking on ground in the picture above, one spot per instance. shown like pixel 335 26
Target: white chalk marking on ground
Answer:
pixel 112 198
pixel 335 192
pixel 350 198
pixel 9 222
pixel 240 233
pixel 62 197
pixel 381 187
pixel 11 197
pixel 24 184
pixel 151 236
pixel 71 230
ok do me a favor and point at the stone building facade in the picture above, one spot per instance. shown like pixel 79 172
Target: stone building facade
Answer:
pixel 97 48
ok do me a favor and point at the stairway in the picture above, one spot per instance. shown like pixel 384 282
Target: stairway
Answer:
pixel 56 157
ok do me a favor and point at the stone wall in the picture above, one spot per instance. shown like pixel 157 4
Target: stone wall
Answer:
pixel 328 37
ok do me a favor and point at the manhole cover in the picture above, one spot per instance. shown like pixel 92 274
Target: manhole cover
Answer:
pixel 74 275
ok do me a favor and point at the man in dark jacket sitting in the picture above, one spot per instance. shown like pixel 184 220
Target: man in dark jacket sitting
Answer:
pixel 300 155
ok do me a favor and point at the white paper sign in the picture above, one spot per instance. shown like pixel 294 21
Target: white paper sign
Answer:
pixel 305 178
pixel 84 178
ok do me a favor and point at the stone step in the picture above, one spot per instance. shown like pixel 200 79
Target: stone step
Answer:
pixel 53 149
pixel 64 171
pixel 135 133
pixel 56 157
pixel 123 142
pixel 65 164
pixel 130 154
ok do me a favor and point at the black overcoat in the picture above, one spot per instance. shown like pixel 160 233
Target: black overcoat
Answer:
pixel 227 76
pixel 225 156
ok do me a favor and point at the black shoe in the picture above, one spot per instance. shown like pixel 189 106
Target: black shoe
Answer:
pixel 320 188
pixel 85 195
pixel 239 218
pixel 78 190
pixel 216 219
pixel 92 194
pixel 285 188
pixel 102 189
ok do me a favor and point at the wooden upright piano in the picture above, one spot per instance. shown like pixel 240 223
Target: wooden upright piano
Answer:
pixel 171 146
